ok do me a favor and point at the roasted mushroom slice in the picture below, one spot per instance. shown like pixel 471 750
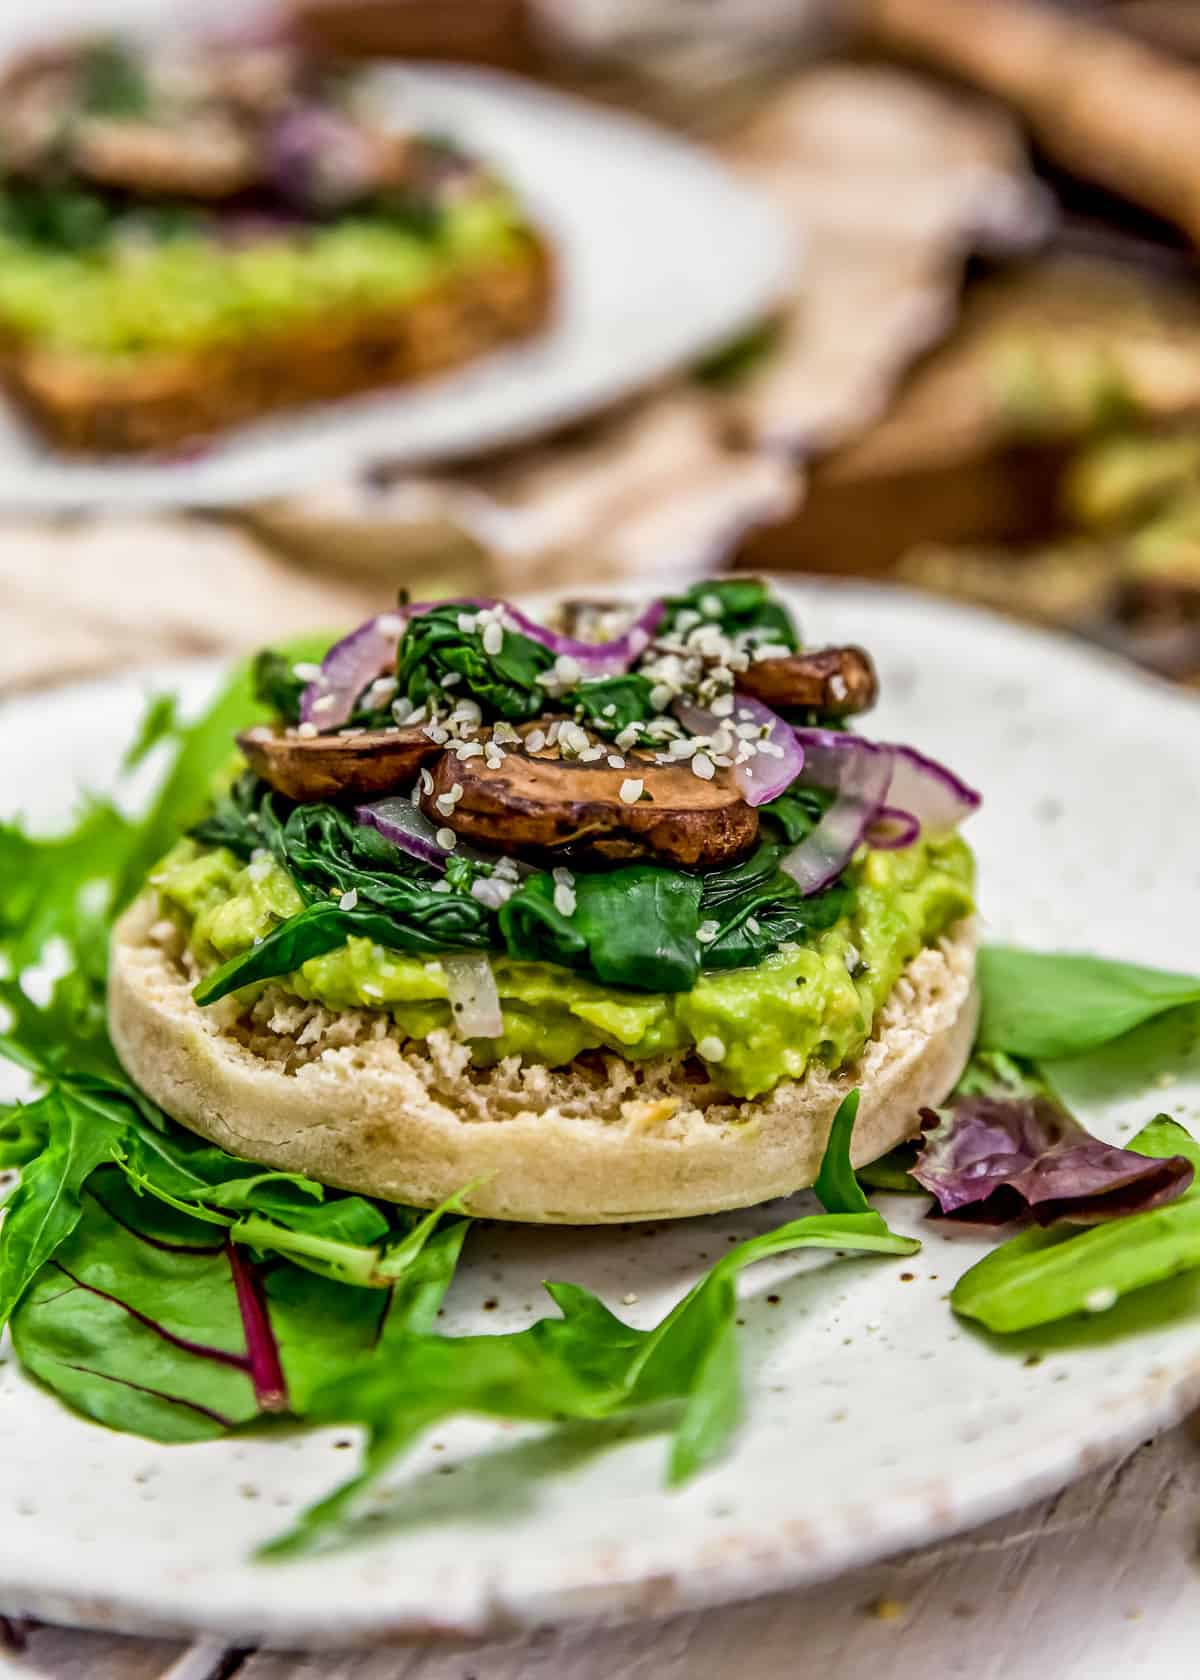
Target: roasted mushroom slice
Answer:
pixel 544 805
pixel 837 681
pixel 307 768
pixel 205 158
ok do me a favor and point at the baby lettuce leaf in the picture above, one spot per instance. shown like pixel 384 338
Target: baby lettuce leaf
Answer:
pixel 837 1189
pixel 1047 1004
pixel 586 1363
pixel 892 1172
pixel 135 1322
pixel 1044 1275
pixel 1006 1145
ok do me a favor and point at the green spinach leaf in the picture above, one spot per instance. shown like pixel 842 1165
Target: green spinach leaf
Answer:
pixel 739 606
pixel 607 705
pixel 757 909
pixel 1045 1004
pixel 632 926
pixel 504 684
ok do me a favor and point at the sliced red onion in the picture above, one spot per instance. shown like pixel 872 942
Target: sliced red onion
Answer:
pixel 777 756
pixel 406 826
pixel 352 665
pixel 409 829
pixel 595 659
pixel 858 772
pixel 934 795
pixel 474 1000
pixel 893 830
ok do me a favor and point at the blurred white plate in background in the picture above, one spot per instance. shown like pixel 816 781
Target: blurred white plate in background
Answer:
pixel 663 256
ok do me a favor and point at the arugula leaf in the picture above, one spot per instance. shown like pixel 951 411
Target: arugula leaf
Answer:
pixel 504 684
pixel 160 722
pixel 1044 1275
pixel 1045 1004
pixel 202 752
pixel 837 1189
pixel 276 685
pixel 586 1363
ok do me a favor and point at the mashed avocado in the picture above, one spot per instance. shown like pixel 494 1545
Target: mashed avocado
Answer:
pixel 756 1026
pixel 129 297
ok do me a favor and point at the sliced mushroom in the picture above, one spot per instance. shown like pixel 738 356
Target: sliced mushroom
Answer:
pixel 315 767
pixel 204 158
pixel 545 805
pixel 837 681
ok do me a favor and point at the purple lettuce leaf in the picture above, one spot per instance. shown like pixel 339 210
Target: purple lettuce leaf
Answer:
pixel 1006 1148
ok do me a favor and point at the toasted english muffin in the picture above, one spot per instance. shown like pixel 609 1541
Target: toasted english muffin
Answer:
pixel 342 1097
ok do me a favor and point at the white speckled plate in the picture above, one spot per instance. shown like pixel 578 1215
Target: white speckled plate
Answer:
pixel 874 1420
pixel 662 256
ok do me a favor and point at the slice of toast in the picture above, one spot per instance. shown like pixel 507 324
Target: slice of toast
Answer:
pixel 167 401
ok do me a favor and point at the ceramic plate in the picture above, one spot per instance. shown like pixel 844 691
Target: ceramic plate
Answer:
pixel 873 1421
pixel 663 255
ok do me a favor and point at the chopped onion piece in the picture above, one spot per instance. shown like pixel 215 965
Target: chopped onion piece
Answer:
pixel 858 772
pixel 776 756
pixel 474 1000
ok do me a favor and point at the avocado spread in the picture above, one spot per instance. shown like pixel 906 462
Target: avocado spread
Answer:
pixel 132 296
pixel 752 1026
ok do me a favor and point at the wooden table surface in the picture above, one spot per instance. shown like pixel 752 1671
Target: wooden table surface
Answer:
pixel 1099 1580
